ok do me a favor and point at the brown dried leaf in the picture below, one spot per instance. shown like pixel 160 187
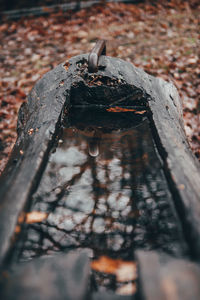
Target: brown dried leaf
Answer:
pixel 124 270
pixel 35 217
pixel 119 109
pixel 66 65
pixel 140 112
pixel 17 229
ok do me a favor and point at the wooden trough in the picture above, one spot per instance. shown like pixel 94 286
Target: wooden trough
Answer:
pixel 115 84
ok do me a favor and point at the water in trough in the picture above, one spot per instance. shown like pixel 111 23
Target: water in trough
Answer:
pixel 104 191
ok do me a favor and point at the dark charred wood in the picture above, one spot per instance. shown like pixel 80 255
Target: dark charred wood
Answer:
pixel 163 277
pixel 59 277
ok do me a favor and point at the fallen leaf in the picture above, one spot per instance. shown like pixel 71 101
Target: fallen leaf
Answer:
pixel 105 264
pixel 141 112
pixel 119 109
pixel 66 65
pixel 21 218
pixel 35 217
pixel 17 229
pixel 30 131
pixel 124 270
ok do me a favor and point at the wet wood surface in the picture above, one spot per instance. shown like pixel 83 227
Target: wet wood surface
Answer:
pixel 164 277
pixel 59 277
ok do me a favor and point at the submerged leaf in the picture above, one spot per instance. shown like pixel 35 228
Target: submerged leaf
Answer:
pixel 36 217
pixel 124 270
pixel 119 109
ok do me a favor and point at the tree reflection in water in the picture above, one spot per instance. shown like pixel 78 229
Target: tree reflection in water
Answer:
pixel 111 202
pixel 105 191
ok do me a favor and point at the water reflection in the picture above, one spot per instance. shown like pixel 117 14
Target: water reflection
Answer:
pixel 105 191
pixel 94 143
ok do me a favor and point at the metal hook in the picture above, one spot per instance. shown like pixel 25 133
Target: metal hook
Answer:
pixel 93 58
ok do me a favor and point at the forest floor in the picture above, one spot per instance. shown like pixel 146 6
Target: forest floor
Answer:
pixel 163 39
